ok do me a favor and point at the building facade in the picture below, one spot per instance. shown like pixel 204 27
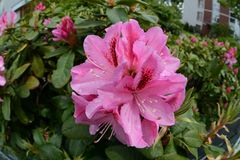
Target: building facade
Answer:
pixel 13 5
pixel 203 13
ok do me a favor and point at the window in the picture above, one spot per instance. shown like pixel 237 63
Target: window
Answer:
pixel 232 19
pixel 199 16
pixel 200 4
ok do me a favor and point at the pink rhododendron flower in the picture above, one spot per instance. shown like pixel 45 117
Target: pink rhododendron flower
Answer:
pixel 230 57
pixel 221 44
pixel 65 31
pixel 7 20
pixel 47 21
pixel 40 7
pixel 178 41
pixel 235 71
pixel 2 68
pixel 128 84
pixel 228 89
pixel 204 43
pixel 193 39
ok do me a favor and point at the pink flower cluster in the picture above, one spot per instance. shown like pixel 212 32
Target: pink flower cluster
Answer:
pixel 128 84
pixel 65 31
pixel 7 20
pixel 230 57
pixel 47 21
pixel 2 68
pixel 40 7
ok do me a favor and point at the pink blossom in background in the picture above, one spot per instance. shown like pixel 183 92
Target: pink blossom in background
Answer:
pixel 221 44
pixel 228 89
pixel 178 41
pixel 235 71
pixel 204 43
pixel 2 68
pixel 65 31
pixel 128 84
pixel 193 39
pixel 230 57
pixel 47 21
pixel 7 20
pixel 40 7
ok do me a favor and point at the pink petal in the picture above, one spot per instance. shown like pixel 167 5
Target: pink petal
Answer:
pixel 86 78
pixel 156 39
pixel 150 131
pixel 93 107
pixel 80 105
pixel 154 109
pixel 131 124
pixel 2 81
pixel 112 97
pixel 96 50
pixel 131 31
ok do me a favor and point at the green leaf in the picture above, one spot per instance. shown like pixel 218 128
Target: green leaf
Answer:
pixel 117 14
pixel 170 148
pixel 50 51
pixel 131 2
pixel 61 75
pixel 213 151
pixel 38 137
pixel 193 139
pixel 20 113
pixel 19 71
pixel 32 83
pixel 154 151
pixel 56 140
pixel 22 91
pixel 77 147
pixel 147 17
pixel 31 35
pixel 38 66
pixel 75 131
pixel 50 152
pixel 6 108
pixel 86 24
pixel 62 102
pixel 172 156
pixel 122 153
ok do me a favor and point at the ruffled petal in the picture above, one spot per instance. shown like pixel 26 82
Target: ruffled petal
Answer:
pixel 96 51
pixel 150 131
pixel 86 78
pixel 131 124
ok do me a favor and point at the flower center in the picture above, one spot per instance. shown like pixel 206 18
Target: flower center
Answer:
pixel 113 52
pixel 147 75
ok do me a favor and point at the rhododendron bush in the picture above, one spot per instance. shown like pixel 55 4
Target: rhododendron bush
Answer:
pixel 113 80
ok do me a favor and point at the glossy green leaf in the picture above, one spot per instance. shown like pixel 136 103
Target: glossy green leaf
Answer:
pixel 213 151
pixel 122 153
pixel 77 147
pixel 38 66
pixel 75 131
pixel 61 75
pixel 19 71
pixel 31 35
pixel 50 152
pixel 38 137
pixel 31 83
pixel 22 91
pixel 154 151
pixel 6 108
pixel 193 139
pixel 117 14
